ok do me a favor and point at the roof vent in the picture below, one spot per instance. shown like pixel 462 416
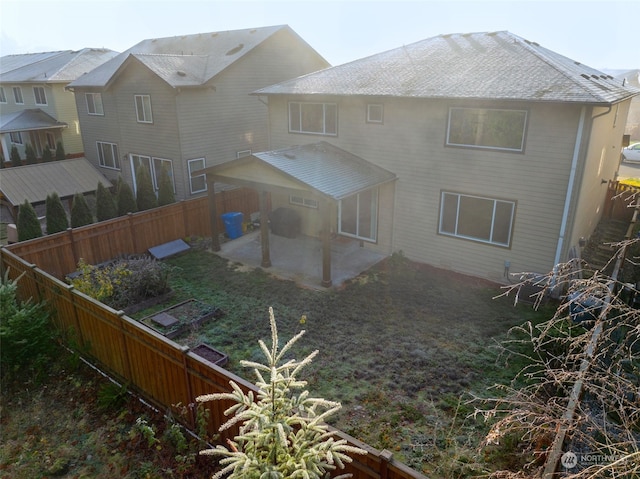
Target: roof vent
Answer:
pixel 577 63
pixel 291 156
pixel 213 35
pixel 584 75
pixel 492 34
pixel 253 31
pixel 181 73
pixel 235 50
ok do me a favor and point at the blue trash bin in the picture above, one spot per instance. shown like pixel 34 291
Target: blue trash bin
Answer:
pixel 232 224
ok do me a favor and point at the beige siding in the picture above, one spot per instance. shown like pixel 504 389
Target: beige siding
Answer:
pixel 411 142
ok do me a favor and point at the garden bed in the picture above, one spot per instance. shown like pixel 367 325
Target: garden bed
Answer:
pixel 176 320
pixel 211 354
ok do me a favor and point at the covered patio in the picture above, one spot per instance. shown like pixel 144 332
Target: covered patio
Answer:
pixel 321 177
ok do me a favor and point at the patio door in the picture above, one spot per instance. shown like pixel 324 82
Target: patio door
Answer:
pixel 138 161
pixel 358 215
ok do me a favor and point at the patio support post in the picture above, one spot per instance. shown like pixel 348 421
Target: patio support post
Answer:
pixel 264 229
pixel 213 215
pixel 326 245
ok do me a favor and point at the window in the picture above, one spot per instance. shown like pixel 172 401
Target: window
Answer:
pixel 198 183
pixel 3 97
pixel 94 103
pixel 316 118
pixel 39 95
pixel 479 219
pixel 108 155
pixel 485 128
pixel 51 140
pixel 158 165
pixel 374 113
pixel 143 108
pixel 16 137
pixel 17 95
pixel 301 201
pixel 358 215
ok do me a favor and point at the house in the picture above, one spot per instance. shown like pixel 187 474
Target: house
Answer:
pixel 35 108
pixel 183 103
pixel 499 151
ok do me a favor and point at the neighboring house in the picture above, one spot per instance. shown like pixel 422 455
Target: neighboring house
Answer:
pixel 183 103
pixel 632 77
pixel 35 108
pixel 501 152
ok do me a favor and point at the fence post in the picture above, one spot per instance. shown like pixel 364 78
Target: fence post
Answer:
pixel 187 378
pixel 74 251
pixel 127 364
pixel 70 291
pixel 132 234
pixel 385 459
pixel 185 222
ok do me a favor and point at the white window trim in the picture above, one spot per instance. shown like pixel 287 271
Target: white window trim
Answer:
pixel 16 135
pixel 191 178
pixel 324 117
pixel 155 173
pixel 3 96
pixel 302 201
pixel 94 96
pixel 114 154
pixel 375 120
pixel 147 116
pixel 374 220
pixel 473 238
pixel 35 95
pixel 17 91
pixel 489 147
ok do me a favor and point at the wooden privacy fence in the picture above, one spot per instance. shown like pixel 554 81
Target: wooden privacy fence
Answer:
pixel 161 371
pixel 620 201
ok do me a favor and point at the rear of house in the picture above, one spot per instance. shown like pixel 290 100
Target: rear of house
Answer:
pixel 502 149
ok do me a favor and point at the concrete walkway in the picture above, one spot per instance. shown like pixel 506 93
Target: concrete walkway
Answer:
pixel 300 259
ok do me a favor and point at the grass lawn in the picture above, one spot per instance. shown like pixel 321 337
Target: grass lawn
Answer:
pixel 402 347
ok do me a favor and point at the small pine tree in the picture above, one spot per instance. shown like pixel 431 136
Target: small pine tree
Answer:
pixel 56 215
pixel 166 195
pixel 125 201
pixel 47 156
pixel 80 212
pixel 105 204
pixel 28 225
pixel 283 432
pixel 145 195
pixel 30 154
pixel 15 156
pixel 60 154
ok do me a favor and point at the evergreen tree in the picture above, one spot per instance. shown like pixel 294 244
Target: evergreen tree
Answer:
pixel 56 215
pixel 166 195
pixel 15 156
pixel 125 201
pixel 105 204
pixel 60 154
pixel 28 225
pixel 46 155
pixel 145 195
pixel 80 212
pixel 30 154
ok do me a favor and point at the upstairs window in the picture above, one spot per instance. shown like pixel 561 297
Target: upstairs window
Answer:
pixel 108 155
pixel 94 103
pixel 314 118
pixel 487 128
pixel 17 95
pixel 198 183
pixel 486 220
pixel 3 97
pixel 374 113
pixel 143 108
pixel 39 95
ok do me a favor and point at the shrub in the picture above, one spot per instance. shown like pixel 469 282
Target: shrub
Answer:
pixel 26 336
pixel 105 204
pixel 28 225
pixel 145 195
pixel 60 154
pixel 80 212
pixel 47 155
pixel 15 156
pixel 55 214
pixel 30 154
pixel 125 201
pixel 283 434
pixel 166 195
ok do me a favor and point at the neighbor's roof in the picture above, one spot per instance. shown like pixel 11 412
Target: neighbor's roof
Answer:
pixel 188 60
pixel 497 65
pixel 27 120
pixel 322 167
pixel 52 67
pixel 35 182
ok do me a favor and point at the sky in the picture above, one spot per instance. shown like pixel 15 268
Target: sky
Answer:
pixel 599 33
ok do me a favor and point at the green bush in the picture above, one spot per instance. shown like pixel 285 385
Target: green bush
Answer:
pixel 166 195
pixel 145 195
pixel 28 225
pixel 125 200
pixel 27 340
pixel 80 212
pixel 55 214
pixel 47 155
pixel 60 154
pixel 30 154
pixel 15 156
pixel 105 204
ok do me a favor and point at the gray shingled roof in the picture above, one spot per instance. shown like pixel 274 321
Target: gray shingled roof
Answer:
pixel 188 60
pixel 328 169
pixel 35 182
pixel 497 65
pixel 52 67
pixel 27 120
